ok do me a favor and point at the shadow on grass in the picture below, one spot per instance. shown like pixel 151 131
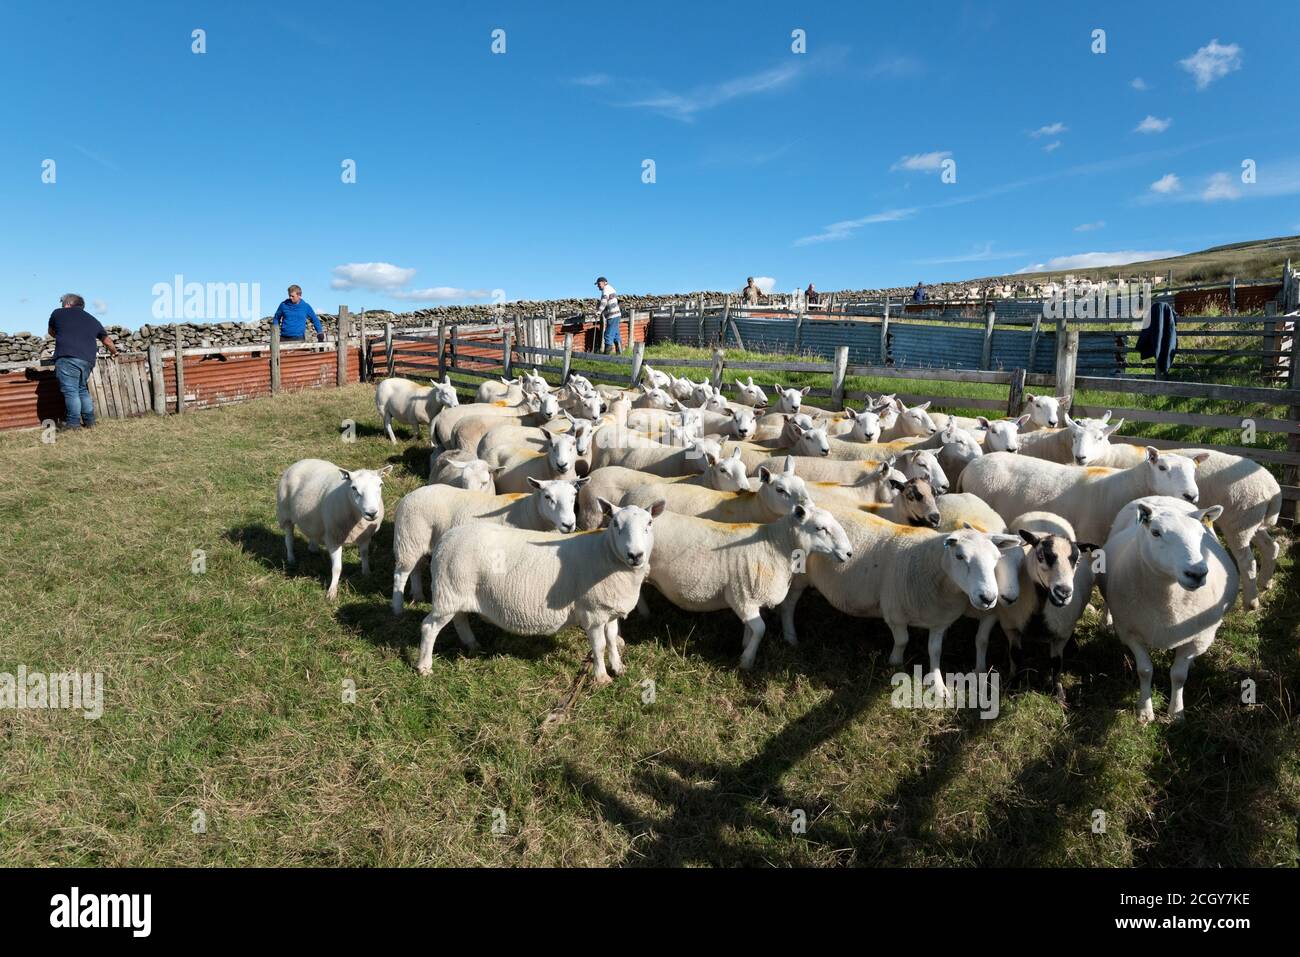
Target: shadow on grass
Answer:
pixel 266 544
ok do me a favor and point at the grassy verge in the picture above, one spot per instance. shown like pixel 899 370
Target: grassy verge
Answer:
pixel 225 696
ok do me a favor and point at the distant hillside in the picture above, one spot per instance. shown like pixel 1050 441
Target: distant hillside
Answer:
pixel 1257 259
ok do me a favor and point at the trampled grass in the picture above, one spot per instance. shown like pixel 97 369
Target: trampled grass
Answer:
pixel 224 694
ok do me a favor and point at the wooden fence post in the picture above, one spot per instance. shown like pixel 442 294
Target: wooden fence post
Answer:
pixel 1016 393
pixel 507 336
pixel 275 358
pixel 1232 297
pixel 837 383
pixel 638 356
pixel 1271 365
pixel 1292 382
pixel 568 357
pixel 341 350
pixel 362 373
pixel 180 373
pixel 388 347
pixel 884 335
pixel 1033 338
pixel 442 350
pixel 157 382
pixel 1067 359
pixel 719 362
pixel 455 334
pixel 986 358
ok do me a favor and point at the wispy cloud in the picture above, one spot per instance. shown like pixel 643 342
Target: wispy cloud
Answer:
pixel 1169 183
pixel 921 162
pixel 1052 146
pixel 765 283
pixel 1052 129
pixel 1089 227
pixel 896 66
pixel 1153 124
pixel 99 305
pixel 1212 61
pixel 686 106
pixel 375 277
pixel 847 227
pixel 439 294
pixel 91 154
pixel 1273 179
pixel 1093 260
pixel 593 79
pixel 1220 186
pixel 1139 84
pixel 985 253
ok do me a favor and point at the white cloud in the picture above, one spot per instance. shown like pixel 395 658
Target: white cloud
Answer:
pixel 1052 146
pixel 376 277
pixel 765 283
pixel 685 106
pixel 99 305
pixel 921 162
pixel 1139 84
pixel 1089 227
pixel 1221 186
pixel 1153 125
pixel 1168 183
pixel 592 79
pixel 1052 129
pixel 1212 61
pixel 439 294
pixel 847 227
pixel 984 253
pixel 1094 260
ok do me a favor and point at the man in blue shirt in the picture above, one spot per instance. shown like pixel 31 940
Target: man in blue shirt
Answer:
pixel 292 316
pixel 77 335
pixel 918 294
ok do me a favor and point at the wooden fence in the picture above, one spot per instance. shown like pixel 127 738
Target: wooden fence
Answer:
pixel 467 357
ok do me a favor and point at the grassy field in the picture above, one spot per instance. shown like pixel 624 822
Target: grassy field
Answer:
pixel 224 695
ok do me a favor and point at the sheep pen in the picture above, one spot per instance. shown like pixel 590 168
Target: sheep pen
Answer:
pixel 303 734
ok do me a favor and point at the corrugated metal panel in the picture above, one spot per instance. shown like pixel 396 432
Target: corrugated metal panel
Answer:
pixel 1101 353
pixel 28 397
pixel 941 347
pixel 765 335
pixel 821 337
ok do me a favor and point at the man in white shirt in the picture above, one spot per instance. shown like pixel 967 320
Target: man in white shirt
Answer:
pixel 609 316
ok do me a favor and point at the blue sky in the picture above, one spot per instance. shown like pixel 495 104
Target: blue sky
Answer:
pixel 523 171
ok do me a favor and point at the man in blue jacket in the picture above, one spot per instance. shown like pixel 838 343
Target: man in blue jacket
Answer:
pixel 77 335
pixel 292 316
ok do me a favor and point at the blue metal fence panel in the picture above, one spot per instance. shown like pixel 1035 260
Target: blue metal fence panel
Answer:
pixel 821 337
pixel 765 335
pixel 1102 353
pixel 935 347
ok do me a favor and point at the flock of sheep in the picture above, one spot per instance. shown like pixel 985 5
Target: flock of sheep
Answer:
pixel 547 508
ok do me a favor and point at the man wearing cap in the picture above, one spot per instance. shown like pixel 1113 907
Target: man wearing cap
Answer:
pixel 76 337
pixel 610 316
pixel 751 292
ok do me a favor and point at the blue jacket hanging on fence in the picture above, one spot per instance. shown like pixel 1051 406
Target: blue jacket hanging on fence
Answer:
pixel 1158 338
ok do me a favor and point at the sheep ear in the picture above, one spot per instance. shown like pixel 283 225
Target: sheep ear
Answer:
pixel 657 508
pixel 1153 454
pixel 1029 397
pixel 805 390
pixel 896 485
pixel 923 406
pixel 1112 429
pixel 1020 422
pixel 951 540
pixel 606 508
pixel 764 475
pixel 347 476
pixel 1105 418
pixel 550 437
pixel 1144 513
pixel 1005 542
pixel 711 459
pixel 579 483
pixel 1200 457
pixel 534 482
pixel 800 512
pixel 735 452
pixel 1208 516
pixel 984 423
pixel 1064 400
pixel 457 464
pixel 1029 537
pixel 789 465
pixel 968 525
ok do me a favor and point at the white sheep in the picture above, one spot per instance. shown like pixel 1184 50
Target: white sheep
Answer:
pixel 508 390
pixel 423 516
pixel 530 410
pixel 703 565
pixel 334 507
pixel 461 470
pixel 505 436
pixel 1055 585
pixel 613 482
pixel 775 496
pixel 1044 411
pixel 537 583
pixel 1002 435
pixel 750 394
pixel 1167 583
pixel 411 404
pixel 1087 498
pixel 789 401
pixel 907 576
pixel 913 463
pixel 913 504
pixel 654 378
pixel 468 432
pixel 911 421
pixel 1081 442
pixel 516 467
pixel 615 446
pixel 1251 500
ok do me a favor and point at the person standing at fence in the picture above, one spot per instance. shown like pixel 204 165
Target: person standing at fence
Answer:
pixel 76 337
pixel 918 294
pixel 811 297
pixel 751 292
pixel 610 317
pixel 292 316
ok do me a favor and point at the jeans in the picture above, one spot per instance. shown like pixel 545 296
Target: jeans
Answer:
pixel 613 336
pixel 73 375
pixel 292 338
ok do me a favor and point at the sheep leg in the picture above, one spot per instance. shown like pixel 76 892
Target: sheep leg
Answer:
pixel 1013 652
pixel 417 580
pixel 614 647
pixel 754 630
pixel 599 676
pixel 982 644
pixel 1146 713
pixel 336 569
pixel 429 629
pixel 787 611
pixel 1058 653
pixel 400 576
pixel 1178 677
pixel 288 543
pixel 364 548
pixel 1268 552
pixel 388 427
pixel 461 621
pixel 899 631
pixel 936 652
pixel 1245 559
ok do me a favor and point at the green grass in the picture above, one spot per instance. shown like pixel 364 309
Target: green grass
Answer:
pixel 224 695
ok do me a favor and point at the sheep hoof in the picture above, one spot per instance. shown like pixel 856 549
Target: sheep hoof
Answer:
pixel 1059 694
pixel 1252 605
pixel 602 680
pixel 424 670
pixel 1146 717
